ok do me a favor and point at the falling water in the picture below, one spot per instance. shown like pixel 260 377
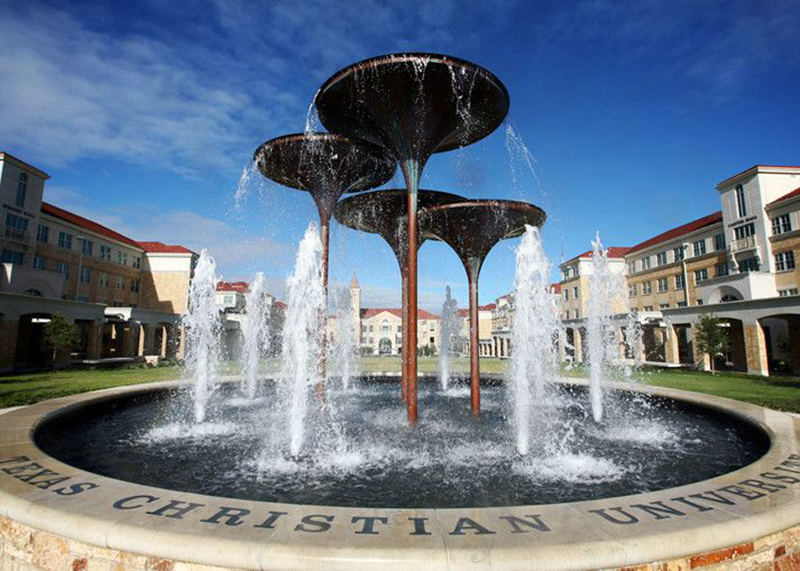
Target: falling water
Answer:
pixel 302 331
pixel 534 362
pixel 606 300
pixel 451 326
pixel 202 334
pixel 255 333
pixel 343 351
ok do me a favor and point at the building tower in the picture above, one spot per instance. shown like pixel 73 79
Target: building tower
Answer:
pixel 355 303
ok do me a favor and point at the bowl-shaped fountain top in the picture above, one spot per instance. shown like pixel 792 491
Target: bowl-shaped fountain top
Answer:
pixel 324 164
pixel 413 104
pixel 472 228
pixel 383 212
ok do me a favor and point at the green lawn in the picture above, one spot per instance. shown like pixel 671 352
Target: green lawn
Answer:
pixel 775 392
pixel 30 388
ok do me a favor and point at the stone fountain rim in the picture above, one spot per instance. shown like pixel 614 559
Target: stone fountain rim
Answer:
pixel 577 537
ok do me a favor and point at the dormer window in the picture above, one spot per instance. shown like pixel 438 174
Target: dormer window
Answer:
pixel 22 189
pixel 741 207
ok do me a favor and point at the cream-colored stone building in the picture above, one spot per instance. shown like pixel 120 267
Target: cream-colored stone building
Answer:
pixel 737 263
pixel 124 296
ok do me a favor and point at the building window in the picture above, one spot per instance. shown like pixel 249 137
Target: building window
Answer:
pixel 647 288
pixel 678 253
pixel 698 302
pixel 781 224
pixel 631 267
pixel 22 189
pixel 137 262
pixel 577 314
pixel 16 227
pixel 787 292
pixel 575 292
pixel 632 290
pixel 43 233
pixel 385 326
pixel 784 261
pixel 699 248
pixel 86 275
pixel 722 269
pixel 700 276
pixel 119 283
pixel 87 247
pixel 102 279
pixel 663 306
pixel 744 231
pixel 662 285
pixel 661 259
pixel 680 282
pixel 646 263
pixel 648 308
pixel 681 304
pixel 135 286
pixel 38 262
pixel 105 252
pixel 63 269
pixel 749 265
pixel 12 257
pixel 719 242
pixel 65 240
pixel 122 258
pixel 566 294
pixel 740 203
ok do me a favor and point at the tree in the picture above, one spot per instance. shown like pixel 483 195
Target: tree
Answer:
pixel 60 335
pixel 712 338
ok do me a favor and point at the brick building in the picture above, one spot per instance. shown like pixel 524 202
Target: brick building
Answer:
pixel 125 296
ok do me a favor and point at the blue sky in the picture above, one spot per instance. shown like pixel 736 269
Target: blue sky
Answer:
pixel 145 113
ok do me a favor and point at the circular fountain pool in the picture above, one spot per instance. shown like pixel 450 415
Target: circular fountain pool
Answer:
pixel 371 458
pixel 704 480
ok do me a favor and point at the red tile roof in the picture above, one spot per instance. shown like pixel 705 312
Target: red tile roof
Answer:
pixel 613 252
pixel 555 288
pixel 679 231
pixel 241 287
pixel 161 248
pixel 372 312
pixel 280 305
pixel 90 225
pixel 785 197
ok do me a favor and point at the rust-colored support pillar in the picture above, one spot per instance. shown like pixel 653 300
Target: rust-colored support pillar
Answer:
pixel 324 231
pixel 404 334
pixel 411 169
pixel 473 267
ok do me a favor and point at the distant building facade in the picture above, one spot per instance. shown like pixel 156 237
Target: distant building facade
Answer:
pixel 738 263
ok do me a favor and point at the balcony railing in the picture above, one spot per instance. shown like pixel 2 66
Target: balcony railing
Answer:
pixel 746 243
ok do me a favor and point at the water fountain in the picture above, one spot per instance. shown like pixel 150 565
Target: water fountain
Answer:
pixel 450 327
pixel 255 334
pixel 385 213
pixel 680 478
pixel 454 223
pixel 202 334
pixel 413 105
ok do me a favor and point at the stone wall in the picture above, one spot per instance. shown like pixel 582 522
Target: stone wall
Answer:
pixel 24 548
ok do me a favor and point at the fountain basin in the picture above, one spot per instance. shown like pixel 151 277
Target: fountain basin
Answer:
pixel 77 514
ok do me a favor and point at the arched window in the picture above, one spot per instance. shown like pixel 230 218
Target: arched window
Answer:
pixel 385 328
pixel 22 188
pixel 34 292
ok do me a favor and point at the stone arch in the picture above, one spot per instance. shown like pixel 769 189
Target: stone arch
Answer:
pixel 385 346
pixel 735 359
pixel 782 340
pixel 32 351
pixel 724 294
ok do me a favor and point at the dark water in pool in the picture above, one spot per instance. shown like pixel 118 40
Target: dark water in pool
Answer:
pixel 364 454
